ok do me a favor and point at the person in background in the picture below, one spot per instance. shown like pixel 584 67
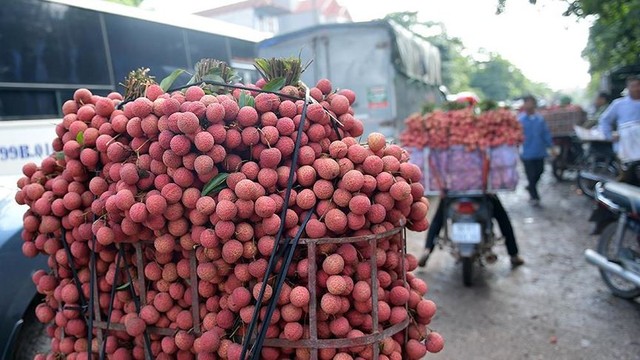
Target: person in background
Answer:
pixel 624 110
pixel 621 114
pixel 600 105
pixel 537 139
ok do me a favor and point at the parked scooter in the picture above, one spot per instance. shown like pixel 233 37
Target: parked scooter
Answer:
pixel 618 253
pixel 597 164
pixel 569 158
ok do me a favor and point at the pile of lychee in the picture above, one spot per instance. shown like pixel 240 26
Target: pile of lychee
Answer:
pixel 142 173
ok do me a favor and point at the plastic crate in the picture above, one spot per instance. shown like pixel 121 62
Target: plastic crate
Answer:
pixel 561 122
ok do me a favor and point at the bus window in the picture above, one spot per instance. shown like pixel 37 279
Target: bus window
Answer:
pixel 245 69
pixel 242 49
pixel 50 43
pixel 138 43
pixel 202 45
pixel 24 104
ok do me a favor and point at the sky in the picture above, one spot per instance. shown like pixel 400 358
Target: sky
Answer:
pixel 545 45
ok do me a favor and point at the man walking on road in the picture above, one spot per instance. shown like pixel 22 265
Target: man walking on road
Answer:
pixel 537 139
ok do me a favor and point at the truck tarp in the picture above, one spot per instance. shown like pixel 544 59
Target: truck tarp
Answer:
pixel 415 57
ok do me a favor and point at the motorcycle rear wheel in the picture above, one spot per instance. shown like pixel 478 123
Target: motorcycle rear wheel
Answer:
pixel 467 271
pixel 618 286
pixel 558 168
pixel 588 186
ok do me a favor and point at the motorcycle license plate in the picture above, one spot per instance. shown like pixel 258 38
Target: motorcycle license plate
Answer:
pixel 466 233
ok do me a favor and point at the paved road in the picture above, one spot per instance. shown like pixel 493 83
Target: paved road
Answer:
pixel 553 307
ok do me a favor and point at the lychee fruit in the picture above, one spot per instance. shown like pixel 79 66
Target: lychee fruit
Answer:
pixel 333 264
pixel 299 296
pixel 336 221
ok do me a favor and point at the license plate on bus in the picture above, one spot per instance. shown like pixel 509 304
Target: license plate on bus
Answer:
pixel 466 233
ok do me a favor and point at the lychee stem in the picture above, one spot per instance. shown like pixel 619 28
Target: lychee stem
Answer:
pixel 288 69
pixel 267 140
pixel 314 101
pixel 136 84
pixel 143 144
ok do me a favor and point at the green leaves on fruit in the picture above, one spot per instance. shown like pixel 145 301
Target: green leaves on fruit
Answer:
pixel 80 138
pixel 289 69
pixel 213 71
pixel 246 100
pixel 166 83
pixel 275 84
pixel 216 184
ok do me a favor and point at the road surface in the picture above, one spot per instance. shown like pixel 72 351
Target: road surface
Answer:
pixel 553 307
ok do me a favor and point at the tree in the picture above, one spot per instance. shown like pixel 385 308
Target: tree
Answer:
pixel 499 79
pixel 503 3
pixel 494 78
pixel 614 37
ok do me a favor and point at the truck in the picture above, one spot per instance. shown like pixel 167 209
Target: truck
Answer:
pixel 397 70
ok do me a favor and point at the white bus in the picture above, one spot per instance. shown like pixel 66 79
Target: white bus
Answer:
pixel 49 48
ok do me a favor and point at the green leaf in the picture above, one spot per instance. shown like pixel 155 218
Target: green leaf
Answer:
pixel 260 65
pixel 251 101
pixel 274 85
pixel 246 100
pixel 217 181
pixel 217 189
pixel 213 78
pixel 60 155
pixel 123 286
pixel 166 83
pixel 80 138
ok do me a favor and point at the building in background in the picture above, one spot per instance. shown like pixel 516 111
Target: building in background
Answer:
pixel 274 16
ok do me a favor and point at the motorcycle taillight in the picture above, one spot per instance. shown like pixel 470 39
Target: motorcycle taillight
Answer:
pixel 466 207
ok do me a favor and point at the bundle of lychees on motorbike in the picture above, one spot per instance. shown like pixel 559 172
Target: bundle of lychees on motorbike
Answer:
pixel 463 148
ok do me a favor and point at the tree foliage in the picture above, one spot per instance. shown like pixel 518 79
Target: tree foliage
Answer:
pixel 497 78
pixel 503 3
pixel 614 37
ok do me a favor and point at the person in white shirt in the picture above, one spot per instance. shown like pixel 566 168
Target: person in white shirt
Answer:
pixel 624 114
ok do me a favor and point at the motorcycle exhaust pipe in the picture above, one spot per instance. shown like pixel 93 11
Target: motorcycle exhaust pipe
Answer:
pixel 604 264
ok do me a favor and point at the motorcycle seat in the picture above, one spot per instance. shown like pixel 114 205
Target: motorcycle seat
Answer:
pixel 624 195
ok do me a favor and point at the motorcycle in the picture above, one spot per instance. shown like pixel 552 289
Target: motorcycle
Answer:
pixel 468 231
pixel 618 252
pixel 569 158
pixel 598 164
pixel 593 161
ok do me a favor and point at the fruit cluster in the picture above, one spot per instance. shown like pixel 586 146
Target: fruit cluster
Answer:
pixel 202 176
pixel 442 129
